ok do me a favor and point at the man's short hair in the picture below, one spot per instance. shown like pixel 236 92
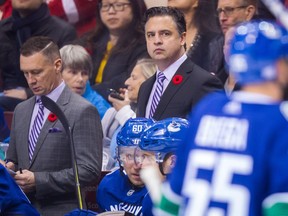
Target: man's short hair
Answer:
pixel 42 44
pixel 250 2
pixel 176 15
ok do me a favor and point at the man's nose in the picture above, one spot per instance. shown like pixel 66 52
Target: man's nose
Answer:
pixel 30 79
pixel 158 39
pixel 222 16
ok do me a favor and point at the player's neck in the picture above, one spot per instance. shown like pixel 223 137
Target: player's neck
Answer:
pixel 270 89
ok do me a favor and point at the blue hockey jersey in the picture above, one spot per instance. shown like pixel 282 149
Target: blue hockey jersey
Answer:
pixel 234 156
pixel 116 193
pixel 12 199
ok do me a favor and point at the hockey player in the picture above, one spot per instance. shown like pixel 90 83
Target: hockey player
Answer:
pixel 123 189
pixel 235 154
pixel 12 199
pixel 157 148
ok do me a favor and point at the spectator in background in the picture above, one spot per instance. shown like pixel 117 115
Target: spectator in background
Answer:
pixel 233 12
pixel 180 83
pixel 5 9
pixel 39 144
pixel 122 110
pixel 80 13
pixel 204 39
pixel 123 189
pixel 29 18
pixel 117 43
pixel 76 69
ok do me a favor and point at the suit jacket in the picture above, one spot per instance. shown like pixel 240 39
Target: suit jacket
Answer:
pixel 51 162
pixel 178 99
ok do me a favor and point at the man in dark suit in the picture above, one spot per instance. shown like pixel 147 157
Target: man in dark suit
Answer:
pixel 184 83
pixel 43 160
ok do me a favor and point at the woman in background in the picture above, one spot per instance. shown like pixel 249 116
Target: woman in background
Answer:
pixel 122 110
pixel 76 69
pixel 116 43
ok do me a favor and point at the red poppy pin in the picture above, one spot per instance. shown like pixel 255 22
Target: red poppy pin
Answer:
pixel 177 79
pixel 52 117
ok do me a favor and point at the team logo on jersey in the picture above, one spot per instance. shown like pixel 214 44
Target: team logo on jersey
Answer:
pixel 130 192
pixel 174 127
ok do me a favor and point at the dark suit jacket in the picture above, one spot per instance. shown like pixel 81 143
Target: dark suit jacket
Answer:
pixel 178 99
pixel 51 162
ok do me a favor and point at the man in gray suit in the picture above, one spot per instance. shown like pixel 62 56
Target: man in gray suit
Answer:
pixel 43 160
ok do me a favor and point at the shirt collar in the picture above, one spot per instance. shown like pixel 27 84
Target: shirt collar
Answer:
pixel 171 70
pixel 55 93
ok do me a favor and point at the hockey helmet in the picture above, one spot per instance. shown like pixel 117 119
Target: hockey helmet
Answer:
pixel 255 49
pixel 164 137
pixel 129 136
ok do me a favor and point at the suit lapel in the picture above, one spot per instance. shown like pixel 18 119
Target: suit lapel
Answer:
pixel 62 101
pixel 184 70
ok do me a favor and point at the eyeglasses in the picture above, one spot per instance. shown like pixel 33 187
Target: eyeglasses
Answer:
pixel 228 11
pixel 116 6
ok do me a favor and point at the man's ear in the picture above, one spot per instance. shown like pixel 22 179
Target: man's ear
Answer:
pixel 173 160
pixel 183 38
pixel 250 12
pixel 58 65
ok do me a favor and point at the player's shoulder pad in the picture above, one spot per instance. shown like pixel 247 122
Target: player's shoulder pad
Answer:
pixel 284 109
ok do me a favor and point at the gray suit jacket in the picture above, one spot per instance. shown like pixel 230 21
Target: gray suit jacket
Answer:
pixel 51 162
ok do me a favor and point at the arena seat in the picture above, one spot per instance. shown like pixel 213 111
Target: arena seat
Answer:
pixel 8 115
pixel 90 194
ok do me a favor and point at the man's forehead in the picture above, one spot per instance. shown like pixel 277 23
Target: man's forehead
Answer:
pixel 225 3
pixel 166 23
pixel 128 149
pixel 163 18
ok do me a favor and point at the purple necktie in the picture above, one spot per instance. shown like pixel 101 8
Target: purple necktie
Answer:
pixel 36 128
pixel 157 94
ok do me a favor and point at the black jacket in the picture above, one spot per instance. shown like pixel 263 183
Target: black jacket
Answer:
pixel 39 23
pixel 119 65
pixel 178 98
pixel 207 52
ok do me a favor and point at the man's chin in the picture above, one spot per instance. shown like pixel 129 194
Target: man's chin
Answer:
pixel 38 93
pixel 138 183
